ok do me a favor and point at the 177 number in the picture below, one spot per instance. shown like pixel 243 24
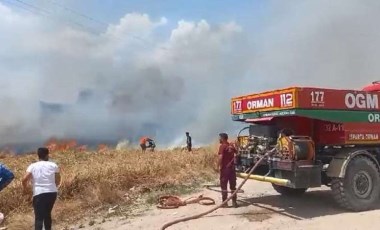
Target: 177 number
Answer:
pixel 317 96
pixel 237 106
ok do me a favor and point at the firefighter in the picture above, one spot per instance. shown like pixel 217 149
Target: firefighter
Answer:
pixel 143 144
pixel 188 141
pixel 151 145
pixel 226 165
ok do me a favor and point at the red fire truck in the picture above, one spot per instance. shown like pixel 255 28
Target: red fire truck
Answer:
pixel 334 141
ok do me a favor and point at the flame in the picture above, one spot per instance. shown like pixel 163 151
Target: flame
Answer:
pixel 59 145
pixel 54 144
pixel 102 148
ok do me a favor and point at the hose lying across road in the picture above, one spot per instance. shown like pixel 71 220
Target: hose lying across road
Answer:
pixel 170 202
pixel 225 202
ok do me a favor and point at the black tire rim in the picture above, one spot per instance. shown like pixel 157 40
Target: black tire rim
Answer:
pixel 362 184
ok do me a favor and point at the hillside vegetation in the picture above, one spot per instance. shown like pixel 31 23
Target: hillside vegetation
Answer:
pixel 91 180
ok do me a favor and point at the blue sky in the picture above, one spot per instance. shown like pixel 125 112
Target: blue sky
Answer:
pixel 243 12
pixel 249 14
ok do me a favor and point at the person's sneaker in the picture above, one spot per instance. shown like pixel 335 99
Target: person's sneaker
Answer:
pixel 235 205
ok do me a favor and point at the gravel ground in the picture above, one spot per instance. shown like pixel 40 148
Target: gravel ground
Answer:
pixel 261 208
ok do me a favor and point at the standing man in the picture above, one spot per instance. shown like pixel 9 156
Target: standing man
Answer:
pixel 143 141
pixel 6 176
pixel 45 178
pixel 188 141
pixel 226 163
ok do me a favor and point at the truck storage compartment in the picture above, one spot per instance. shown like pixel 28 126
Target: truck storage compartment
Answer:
pixel 300 174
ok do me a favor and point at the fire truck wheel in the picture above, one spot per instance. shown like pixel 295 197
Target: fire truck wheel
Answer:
pixel 359 190
pixel 286 191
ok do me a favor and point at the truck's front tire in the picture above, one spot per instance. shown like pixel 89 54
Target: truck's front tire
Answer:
pixel 286 191
pixel 359 190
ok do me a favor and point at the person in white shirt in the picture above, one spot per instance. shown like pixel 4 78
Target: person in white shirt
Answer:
pixel 45 179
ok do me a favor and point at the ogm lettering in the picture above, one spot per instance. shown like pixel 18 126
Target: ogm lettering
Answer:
pixel 361 101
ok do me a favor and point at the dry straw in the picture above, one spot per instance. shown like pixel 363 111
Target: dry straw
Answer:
pixel 93 179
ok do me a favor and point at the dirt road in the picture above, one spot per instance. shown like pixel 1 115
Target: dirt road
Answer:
pixel 261 208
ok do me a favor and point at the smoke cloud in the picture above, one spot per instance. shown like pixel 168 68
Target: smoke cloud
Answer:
pixel 131 80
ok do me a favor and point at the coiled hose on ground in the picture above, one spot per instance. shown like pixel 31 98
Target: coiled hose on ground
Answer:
pixel 226 201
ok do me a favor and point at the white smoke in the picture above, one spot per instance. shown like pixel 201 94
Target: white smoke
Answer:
pixel 123 145
pixel 143 83
pixel 139 85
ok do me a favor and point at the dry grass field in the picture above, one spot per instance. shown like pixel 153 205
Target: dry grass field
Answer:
pixel 92 180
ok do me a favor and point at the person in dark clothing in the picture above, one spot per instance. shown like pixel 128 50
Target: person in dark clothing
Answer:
pixel 45 178
pixel 188 141
pixel 226 163
pixel 151 145
pixel 6 176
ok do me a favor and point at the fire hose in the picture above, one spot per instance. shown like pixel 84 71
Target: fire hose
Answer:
pixel 269 153
pixel 170 202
